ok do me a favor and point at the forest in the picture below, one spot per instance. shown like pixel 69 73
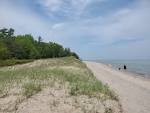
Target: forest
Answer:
pixel 26 47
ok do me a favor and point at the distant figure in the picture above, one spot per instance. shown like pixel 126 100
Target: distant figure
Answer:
pixel 119 68
pixel 125 67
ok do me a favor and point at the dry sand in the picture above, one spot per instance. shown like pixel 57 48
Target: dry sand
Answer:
pixel 57 100
pixel 133 92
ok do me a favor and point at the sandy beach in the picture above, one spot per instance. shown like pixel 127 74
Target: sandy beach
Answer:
pixel 133 92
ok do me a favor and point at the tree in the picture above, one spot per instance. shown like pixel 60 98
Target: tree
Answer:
pixel 67 52
pixel 39 39
pixel 6 33
pixel 3 32
pixel 26 47
pixel 75 55
pixel 3 51
pixel 11 32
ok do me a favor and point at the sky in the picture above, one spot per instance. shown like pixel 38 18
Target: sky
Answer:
pixel 94 29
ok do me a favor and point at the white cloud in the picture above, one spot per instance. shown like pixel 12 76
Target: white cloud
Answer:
pixel 58 26
pixel 23 21
pixel 51 5
pixel 68 8
pixel 127 23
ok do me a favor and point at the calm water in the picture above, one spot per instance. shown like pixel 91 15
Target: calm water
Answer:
pixel 141 67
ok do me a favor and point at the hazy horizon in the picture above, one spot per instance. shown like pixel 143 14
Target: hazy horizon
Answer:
pixel 113 59
pixel 94 29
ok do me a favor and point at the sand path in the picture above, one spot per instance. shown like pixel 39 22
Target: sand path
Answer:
pixel 134 92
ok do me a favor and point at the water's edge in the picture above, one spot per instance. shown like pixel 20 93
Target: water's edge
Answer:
pixel 140 68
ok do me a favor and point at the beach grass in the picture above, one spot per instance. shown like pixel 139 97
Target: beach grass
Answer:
pixel 31 89
pixel 32 77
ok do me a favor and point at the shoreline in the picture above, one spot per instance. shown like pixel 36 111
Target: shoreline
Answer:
pixel 128 72
pixel 133 91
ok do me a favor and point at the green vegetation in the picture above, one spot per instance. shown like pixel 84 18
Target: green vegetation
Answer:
pixel 34 76
pixel 26 47
pixel 31 89
pixel 83 83
pixel 11 62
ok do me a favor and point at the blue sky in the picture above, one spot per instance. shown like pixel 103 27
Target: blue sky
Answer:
pixel 95 29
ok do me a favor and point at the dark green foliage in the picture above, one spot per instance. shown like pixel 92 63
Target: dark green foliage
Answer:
pixel 25 47
pixel 75 55
pixel 3 51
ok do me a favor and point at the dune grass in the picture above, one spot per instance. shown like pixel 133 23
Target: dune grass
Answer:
pixel 31 89
pixel 32 77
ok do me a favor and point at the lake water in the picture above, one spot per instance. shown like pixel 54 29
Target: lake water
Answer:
pixel 141 67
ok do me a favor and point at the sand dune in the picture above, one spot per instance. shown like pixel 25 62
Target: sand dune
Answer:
pixel 62 85
pixel 134 92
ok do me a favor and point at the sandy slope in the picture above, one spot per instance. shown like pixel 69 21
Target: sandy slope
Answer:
pixel 42 87
pixel 134 92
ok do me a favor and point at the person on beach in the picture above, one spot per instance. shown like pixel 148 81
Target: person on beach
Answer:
pixel 125 67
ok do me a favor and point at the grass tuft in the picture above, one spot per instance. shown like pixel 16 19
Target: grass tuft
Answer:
pixel 31 89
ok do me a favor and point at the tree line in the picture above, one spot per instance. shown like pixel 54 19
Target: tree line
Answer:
pixel 26 47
